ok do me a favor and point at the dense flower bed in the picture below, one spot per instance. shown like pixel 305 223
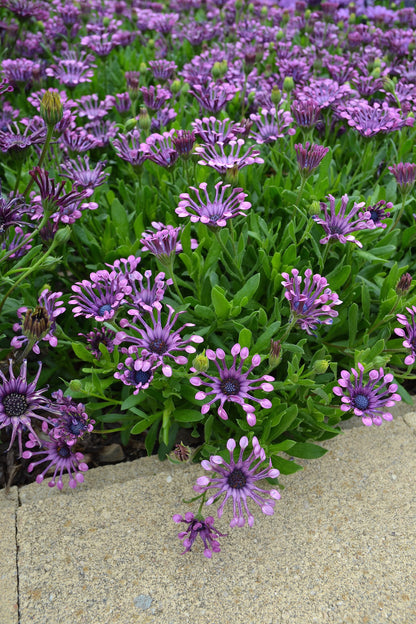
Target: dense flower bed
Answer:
pixel 206 221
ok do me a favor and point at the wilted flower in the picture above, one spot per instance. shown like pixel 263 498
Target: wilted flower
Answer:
pixel 232 384
pixel 97 336
pixel 370 400
pixel 199 527
pixel 314 304
pixel 237 480
pixel 38 324
pixel 404 283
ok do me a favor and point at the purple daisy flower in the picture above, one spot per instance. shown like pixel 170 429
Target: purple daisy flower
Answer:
pixel 409 333
pixel 184 142
pixel 211 130
pixel 78 140
pixel 216 212
pixel 161 149
pixel 137 372
pixel 305 112
pixel 71 69
pixel 309 157
pixel 370 120
pixel 269 127
pixel 12 211
pixel 155 98
pixel 223 162
pixel 158 340
pixel 39 323
pixel 18 402
pixel 338 226
pixel 14 241
pixel 368 401
pixel 97 336
pixel 237 480
pixel 89 106
pixel 199 527
pixel 214 96
pixel 100 297
pixel 130 148
pixel 314 305
pixel 377 213
pixel 73 422
pixel 162 69
pixel 12 140
pixel 81 174
pixel 164 242
pixel 231 384
pixel 146 296
pixel 405 174
pixel 58 453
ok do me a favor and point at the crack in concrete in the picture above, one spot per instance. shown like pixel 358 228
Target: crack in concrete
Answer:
pixel 19 504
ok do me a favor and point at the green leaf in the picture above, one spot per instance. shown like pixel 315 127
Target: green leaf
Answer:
pixel 119 219
pixel 142 425
pixel 352 323
pixel 82 352
pixel 365 301
pixel 132 401
pixel 208 428
pixel 151 437
pixel 221 306
pixel 306 450
pixel 187 415
pixel 281 422
pixel 244 337
pixel 285 466
pixel 247 290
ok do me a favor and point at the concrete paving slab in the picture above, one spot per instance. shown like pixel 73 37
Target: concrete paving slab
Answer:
pixel 340 548
pixel 8 567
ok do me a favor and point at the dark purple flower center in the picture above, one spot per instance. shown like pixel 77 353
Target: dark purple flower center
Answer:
pixel 237 479
pixel 336 229
pixel 374 215
pixel 158 346
pixel 104 308
pixel 141 377
pixel 14 404
pixel 361 401
pixel 77 426
pixel 63 451
pixel 230 386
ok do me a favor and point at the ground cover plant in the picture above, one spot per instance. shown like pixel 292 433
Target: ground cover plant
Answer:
pixel 206 221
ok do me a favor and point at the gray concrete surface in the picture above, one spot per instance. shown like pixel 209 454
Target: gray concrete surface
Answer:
pixel 340 548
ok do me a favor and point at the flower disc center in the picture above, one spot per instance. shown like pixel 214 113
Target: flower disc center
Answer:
pixel 237 479
pixel 104 308
pixel 64 451
pixel 361 402
pixel 14 404
pixel 230 386
pixel 158 346
pixel 141 377
pixel 77 426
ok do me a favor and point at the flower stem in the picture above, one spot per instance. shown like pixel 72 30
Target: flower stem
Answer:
pixel 299 197
pixel 399 216
pixel 41 158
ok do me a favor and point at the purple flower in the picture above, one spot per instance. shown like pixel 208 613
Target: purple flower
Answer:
pixel 223 162
pixel 39 323
pixel 12 211
pixel 59 454
pixel 130 148
pixel 309 157
pixel 370 120
pixel 338 226
pixel 156 339
pixel 199 527
pixel 213 97
pixel 314 304
pixel 100 297
pixel 78 140
pixel 73 422
pixel 216 212
pixel 81 174
pixel 154 98
pixel 409 333
pixel 19 401
pixel 211 130
pixel 325 92
pixel 14 241
pixel 270 128
pixel 137 372
pixel 405 174
pixel 377 213
pixel 89 106
pixel 184 142
pixel 12 140
pixel 146 296
pixel 163 69
pixel 161 149
pixel 164 242
pixel 71 69
pixel 368 401
pixel 5 87
pixel 99 336
pixel 305 112
pixel 231 384
pixel 237 480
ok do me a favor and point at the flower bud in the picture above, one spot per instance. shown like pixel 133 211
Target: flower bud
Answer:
pixel 279 35
pixel 130 124
pixel 275 353
pixel 62 235
pixel 182 452
pixel 288 84
pixel 200 363
pixel 315 208
pixel 144 119
pixel 51 108
pixel 75 385
pixel 389 85
pixel 264 11
pixel 238 4
pixel 36 323
pixel 351 18
pixel 216 71
pixel 404 283
pixel 251 97
pixel 376 72
pixel 251 8
pixel 175 86
pixel 275 96
pixel 320 366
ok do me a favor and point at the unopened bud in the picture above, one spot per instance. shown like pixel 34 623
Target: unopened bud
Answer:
pixel 404 283
pixel 376 72
pixel 106 22
pixel 182 452
pixel 130 124
pixel 151 44
pixel 62 235
pixel 144 120
pixel 275 353
pixel 377 62
pixel 251 8
pixel 51 108
pixel 200 363
pixel 320 366
pixel 315 208
pixel 216 71
pixel 288 84
pixel 238 5
pixel 275 96
pixel 307 14
pixel 264 11
pixel 389 85
pixel 279 35
pixel 251 97
pixel 351 18
pixel 36 323
pixel 175 86
pixel 75 385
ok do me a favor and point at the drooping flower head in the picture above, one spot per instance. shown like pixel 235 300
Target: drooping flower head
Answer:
pixel 309 157
pixel 231 383
pixel 157 340
pixel 19 402
pixel 405 174
pixel 199 527
pixel 339 225
pixel 409 333
pixel 136 371
pixel 59 454
pixel 313 305
pixel 215 212
pixel 368 401
pixel 38 324
pixel 237 480
pixel 100 297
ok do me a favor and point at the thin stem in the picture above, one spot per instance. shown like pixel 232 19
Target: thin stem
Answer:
pixel 19 174
pixel 299 197
pixel 41 158
pixel 399 216
pixel 172 276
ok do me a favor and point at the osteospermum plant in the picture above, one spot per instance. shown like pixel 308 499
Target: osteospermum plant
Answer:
pixel 217 237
